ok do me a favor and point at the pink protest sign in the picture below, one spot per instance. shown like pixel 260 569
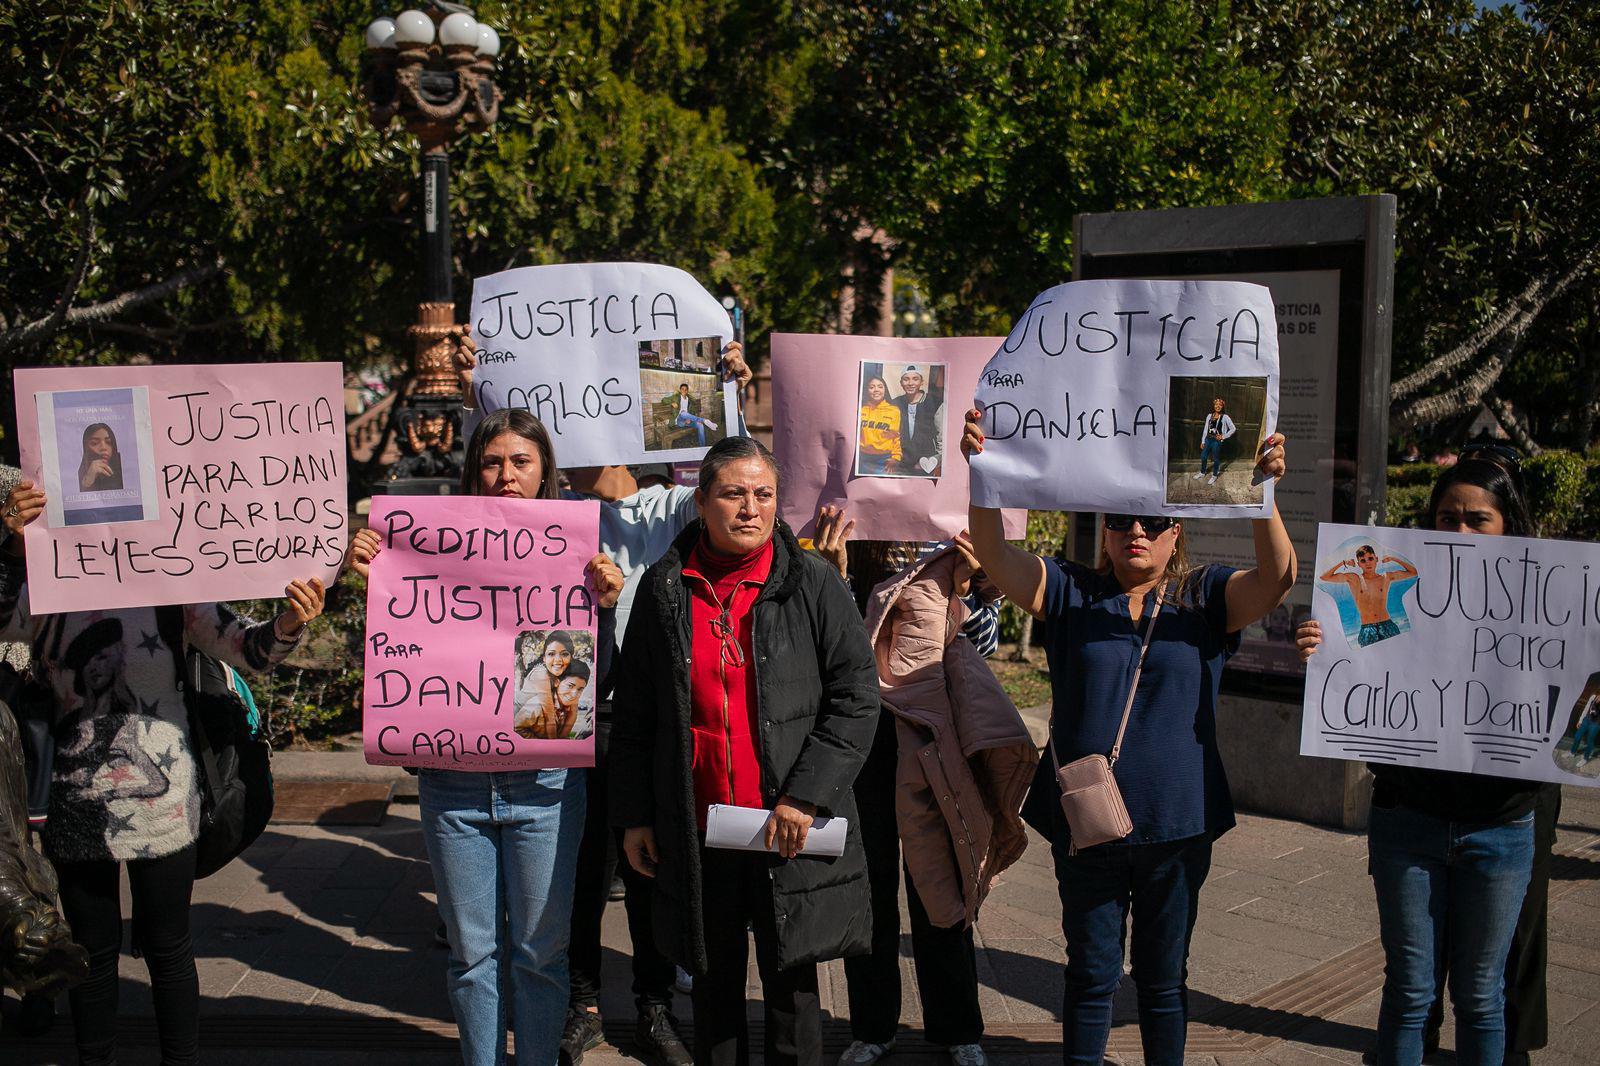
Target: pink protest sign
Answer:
pixel 874 424
pixel 480 641
pixel 182 484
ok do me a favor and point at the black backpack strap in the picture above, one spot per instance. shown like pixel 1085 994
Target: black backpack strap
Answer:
pixel 170 626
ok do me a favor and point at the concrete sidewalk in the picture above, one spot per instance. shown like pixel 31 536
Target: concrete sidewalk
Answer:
pixel 317 947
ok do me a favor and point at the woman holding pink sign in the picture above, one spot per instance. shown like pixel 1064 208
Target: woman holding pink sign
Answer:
pixel 504 846
pixel 124 780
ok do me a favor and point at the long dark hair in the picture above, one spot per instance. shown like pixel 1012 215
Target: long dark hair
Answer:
pixel 115 461
pixel 510 420
pixel 1501 480
pixel 865 384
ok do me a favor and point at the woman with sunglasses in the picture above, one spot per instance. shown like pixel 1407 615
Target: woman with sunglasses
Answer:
pixel 1461 862
pixel 1169 772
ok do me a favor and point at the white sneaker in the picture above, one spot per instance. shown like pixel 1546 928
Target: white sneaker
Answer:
pixel 860 1052
pixel 1197 477
pixel 968 1055
pixel 710 424
pixel 1212 480
pixel 682 981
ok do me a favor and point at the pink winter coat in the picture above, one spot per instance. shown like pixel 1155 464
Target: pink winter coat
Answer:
pixel 965 756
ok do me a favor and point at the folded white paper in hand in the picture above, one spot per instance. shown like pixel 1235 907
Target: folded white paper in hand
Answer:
pixel 741 829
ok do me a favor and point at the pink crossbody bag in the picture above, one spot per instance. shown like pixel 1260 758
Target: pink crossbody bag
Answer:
pixel 1090 797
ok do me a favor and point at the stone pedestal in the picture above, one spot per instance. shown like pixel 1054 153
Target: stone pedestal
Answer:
pixel 1260 744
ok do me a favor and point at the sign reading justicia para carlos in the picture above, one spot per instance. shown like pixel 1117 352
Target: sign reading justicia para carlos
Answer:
pixel 1456 652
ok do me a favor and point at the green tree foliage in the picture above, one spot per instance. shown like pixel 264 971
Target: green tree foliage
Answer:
pixel 974 132
pixel 185 184
pixel 1483 125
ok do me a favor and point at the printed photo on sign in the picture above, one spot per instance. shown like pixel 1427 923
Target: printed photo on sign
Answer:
pixel 99 459
pixel 900 429
pixel 680 393
pixel 1214 429
pixel 1369 586
pixel 554 671
pixel 1579 745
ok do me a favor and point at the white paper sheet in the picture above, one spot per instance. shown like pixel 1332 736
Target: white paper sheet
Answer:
pixel 739 828
pixel 1101 399
pixel 620 361
pixel 1476 654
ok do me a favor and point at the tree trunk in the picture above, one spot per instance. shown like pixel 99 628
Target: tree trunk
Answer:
pixel 1516 428
pixel 1515 318
pixel 44 328
pixel 1506 345
pixel 1024 639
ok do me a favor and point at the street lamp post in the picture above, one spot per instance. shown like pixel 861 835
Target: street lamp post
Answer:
pixel 433 69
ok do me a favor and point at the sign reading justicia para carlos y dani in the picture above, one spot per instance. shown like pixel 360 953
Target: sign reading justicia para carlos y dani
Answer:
pixel 1456 652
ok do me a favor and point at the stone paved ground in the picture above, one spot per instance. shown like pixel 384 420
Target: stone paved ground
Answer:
pixel 317 947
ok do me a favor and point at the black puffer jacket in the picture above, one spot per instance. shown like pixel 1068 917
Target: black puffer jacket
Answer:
pixel 817 691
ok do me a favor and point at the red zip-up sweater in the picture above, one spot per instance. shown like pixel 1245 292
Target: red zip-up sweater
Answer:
pixel 722 676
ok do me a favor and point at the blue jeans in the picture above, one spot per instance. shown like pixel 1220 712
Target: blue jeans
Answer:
pixel 504 850
pixel 1430 875
pixel 1211 451
pixel 696 421
pixel 1160 883
pixel 1588 733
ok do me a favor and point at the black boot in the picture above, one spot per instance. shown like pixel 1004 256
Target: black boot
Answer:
pixel 658 1039
pixel 584 1031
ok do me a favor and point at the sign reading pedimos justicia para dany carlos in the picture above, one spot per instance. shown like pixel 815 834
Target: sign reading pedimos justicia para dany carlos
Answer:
pixel 1478 654
pixel 1142 397
pixel 480 636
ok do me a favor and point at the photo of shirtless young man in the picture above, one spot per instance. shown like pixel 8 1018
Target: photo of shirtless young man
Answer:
pixel 1371 590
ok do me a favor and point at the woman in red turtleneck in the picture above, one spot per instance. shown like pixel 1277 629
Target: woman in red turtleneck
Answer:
pixel 745 678
pixel 722 686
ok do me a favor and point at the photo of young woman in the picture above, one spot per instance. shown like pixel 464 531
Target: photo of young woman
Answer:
pixel 101 466
pixel 1211 422
pixel 878 429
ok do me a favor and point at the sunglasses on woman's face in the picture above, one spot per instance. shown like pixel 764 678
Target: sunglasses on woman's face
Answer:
pixel 1154 525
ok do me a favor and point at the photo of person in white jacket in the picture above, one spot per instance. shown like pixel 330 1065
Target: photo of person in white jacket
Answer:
pixel 1219 427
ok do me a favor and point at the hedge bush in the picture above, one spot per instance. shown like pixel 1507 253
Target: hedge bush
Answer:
pixel 1563 493
pixel 1046 535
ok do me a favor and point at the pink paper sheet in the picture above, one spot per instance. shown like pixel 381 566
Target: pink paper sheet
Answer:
pixel 815 405
pixel 462 597
pixel 220 482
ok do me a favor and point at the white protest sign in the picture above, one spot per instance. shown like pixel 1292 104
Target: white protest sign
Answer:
pixel 1138 397
pixel 620 361
pixel 1457 652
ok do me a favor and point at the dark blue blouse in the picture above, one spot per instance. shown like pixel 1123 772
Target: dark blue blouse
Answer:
pixel 1170 771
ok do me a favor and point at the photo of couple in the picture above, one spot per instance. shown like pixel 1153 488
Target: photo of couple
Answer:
pixel 900 429
pixel 553 671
